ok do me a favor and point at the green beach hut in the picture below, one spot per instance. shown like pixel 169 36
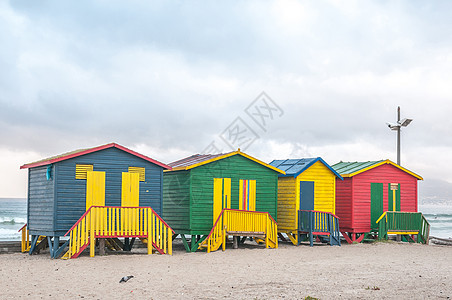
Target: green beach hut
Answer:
pixel 201 186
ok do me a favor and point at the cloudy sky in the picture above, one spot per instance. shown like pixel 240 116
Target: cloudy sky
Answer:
pixel 168 79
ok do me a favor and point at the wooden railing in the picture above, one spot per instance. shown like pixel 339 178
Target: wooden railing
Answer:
pixel 242 223
pixel 314 222
pixel 116 221
pixel 404 223
pixel 216 237
pixel 25 241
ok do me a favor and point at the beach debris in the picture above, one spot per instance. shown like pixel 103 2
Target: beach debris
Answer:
pixel 441 241
pixel 374 288
pixel 125 278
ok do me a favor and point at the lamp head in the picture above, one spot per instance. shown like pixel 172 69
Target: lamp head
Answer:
pixel 405 122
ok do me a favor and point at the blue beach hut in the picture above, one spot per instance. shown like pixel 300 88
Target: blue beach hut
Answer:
pixel 63 188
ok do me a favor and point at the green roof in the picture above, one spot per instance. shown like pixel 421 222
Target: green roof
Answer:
pixel 353 167
pixel 349 169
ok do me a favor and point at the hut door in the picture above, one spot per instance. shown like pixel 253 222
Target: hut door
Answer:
pixel 376 203
pixel 391 192
pixel 247 195
pixel 221 196
pixel 130 189
pixel 307 195
pixel 95 188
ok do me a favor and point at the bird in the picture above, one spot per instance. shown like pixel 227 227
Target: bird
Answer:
pixel 125 278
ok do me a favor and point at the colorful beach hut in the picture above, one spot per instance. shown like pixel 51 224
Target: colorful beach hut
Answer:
pixel 111 184
pixel 205 193
pixel 368 191
pixel 307 190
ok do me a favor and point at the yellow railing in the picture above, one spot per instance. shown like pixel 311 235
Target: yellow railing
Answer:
pixel 25 243
pixel 216 236
pixel 241 223
pixel 113 222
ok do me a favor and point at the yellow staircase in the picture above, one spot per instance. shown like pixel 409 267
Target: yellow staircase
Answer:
pixel 231 222
pixel 114 222
pixel 25 240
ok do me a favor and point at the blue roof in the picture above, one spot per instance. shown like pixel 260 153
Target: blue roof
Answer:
pixel 294 167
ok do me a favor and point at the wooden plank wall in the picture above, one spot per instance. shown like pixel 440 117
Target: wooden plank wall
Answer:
pixel 344 203
pixel 71 192
pixel 176 200
pixel 235 167
pixel 324 186
pixel 382 174
pixel 287 207
pixel 41 202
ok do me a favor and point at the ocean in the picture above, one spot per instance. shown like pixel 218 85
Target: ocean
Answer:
pixel 13 215
pixel 440 218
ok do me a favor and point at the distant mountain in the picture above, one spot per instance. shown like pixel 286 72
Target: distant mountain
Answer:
pixel 12 199
pixel 433 191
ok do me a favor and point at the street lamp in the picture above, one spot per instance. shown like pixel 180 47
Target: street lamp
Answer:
pixel 397 126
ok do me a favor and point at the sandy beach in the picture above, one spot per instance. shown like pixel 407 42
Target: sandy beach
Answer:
pixel 387 270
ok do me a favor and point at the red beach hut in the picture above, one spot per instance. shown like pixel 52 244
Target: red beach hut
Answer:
pixel 368 190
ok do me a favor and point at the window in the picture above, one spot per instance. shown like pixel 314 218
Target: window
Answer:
pixel 138 170
pixel 81 170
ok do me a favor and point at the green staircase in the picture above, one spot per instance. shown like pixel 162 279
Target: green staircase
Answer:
pixel 411 225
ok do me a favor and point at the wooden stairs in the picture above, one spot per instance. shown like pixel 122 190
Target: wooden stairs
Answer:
pixel 323 225
pixel 412 226
pixel 241 223
pixel 113 222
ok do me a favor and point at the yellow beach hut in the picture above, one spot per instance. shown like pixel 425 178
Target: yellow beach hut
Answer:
pixel 306 200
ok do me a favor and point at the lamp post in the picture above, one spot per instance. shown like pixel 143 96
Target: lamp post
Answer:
pixel 397 126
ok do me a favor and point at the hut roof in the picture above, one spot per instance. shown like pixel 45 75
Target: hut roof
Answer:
pixel 294 167
pixel 350 169
pixel 80 152
pixel 198 160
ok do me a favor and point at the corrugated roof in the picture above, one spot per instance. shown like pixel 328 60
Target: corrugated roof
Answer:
pixel 80 152
pixel 202 159
pixel 350 169
pixel 194 159
pixel 294 167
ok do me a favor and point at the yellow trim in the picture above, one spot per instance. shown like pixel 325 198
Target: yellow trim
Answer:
pixel 403 232
pixel 394 200
pixel 226 156
pixel 382 163
pixel 381 217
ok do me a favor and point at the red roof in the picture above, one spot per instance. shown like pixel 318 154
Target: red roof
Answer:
pixel 81 152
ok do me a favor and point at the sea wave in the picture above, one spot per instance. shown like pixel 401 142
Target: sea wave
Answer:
pixel 9 234
pixel 12 221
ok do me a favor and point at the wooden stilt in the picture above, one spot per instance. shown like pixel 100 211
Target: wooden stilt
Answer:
pixel 184 241
pixel 102 247
pixel 282 237
pixel 235 242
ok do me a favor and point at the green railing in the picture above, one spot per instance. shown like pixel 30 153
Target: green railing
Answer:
pixel 404 223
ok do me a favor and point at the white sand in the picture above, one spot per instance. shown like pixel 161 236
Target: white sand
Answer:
pixel 398 270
